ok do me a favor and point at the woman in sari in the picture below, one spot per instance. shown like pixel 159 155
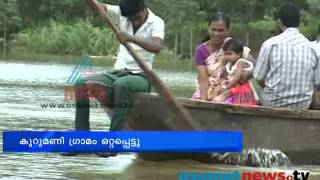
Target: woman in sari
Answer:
pixel 208 57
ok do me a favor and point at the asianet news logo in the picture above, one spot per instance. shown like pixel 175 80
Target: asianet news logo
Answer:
pixel 296 175
pixel 84 65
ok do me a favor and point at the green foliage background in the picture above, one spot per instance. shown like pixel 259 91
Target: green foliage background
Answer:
pixel 70 27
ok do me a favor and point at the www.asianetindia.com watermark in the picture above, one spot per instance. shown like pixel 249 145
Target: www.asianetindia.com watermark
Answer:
pixel 83 99
pixel 93 105
pixel 236 175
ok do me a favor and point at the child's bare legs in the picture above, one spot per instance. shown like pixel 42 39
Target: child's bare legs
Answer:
pixel 224 93
pixel 216 91
pixel 223 96
pixel 212 90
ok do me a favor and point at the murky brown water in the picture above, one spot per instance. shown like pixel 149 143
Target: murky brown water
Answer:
pixel 24 87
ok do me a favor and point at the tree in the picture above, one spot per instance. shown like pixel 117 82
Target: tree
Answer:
pixel 313 16
pixel 9 20
pixel 186 20
pixel 184 23
pixel 35 12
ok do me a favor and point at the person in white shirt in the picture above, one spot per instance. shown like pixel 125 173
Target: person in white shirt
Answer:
pixel 141 28
pixel 288 67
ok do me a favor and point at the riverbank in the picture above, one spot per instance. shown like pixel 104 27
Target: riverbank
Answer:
pixel 162 61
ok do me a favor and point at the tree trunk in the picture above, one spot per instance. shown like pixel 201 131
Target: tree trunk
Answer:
pixel 51 9
pixel 248 38
pixel 176 45
pixel 4 53
pixel 181 44
pixel 191 43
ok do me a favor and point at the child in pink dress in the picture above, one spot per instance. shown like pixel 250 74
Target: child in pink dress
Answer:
pixel 235 90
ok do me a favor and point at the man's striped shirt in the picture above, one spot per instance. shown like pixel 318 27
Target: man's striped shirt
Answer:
pixel 289 66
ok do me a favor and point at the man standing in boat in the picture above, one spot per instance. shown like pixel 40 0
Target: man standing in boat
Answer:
pixel 288 66
pixel 145 32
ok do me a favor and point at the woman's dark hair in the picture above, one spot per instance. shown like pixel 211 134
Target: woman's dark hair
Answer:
pixel 233 44
pixel 219 16
pixel 289 14
pixel 131 7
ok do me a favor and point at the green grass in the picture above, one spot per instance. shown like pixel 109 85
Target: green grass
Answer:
pixel 69 39
pixel 65 43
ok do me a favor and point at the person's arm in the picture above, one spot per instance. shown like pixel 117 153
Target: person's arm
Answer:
pixel 200 56
pixel 248 56
pixel 237 76
pixel 153 45
pixel 317 69
pixel 203 81
pixel 248 74
pixel 251 58
pixel 317 77
pixel 263 65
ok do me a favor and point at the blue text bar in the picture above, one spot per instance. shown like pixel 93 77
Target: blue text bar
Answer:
pixel 122 141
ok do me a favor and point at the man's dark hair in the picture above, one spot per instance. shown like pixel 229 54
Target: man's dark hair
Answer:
pixel 131 7
pixel 219 16
pixel 233 44
pixel 289 14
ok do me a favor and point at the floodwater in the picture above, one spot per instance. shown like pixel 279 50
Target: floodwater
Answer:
pixel 24 88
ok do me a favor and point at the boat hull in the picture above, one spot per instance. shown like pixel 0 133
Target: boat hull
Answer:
pixel 296 133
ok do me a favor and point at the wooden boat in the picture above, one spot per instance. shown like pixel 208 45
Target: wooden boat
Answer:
pixel 296 133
